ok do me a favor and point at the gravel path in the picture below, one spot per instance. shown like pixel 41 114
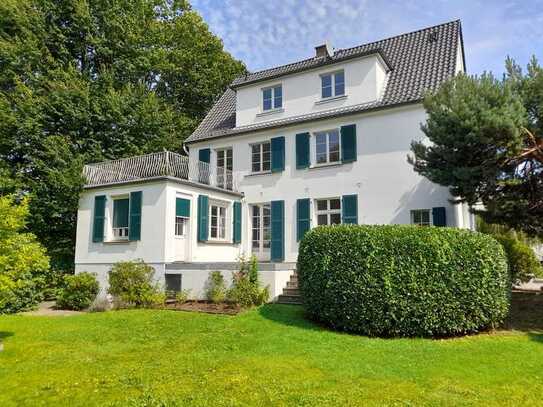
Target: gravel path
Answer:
pixel 47 308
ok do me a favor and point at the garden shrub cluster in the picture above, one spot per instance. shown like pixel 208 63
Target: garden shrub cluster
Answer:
pixel 24 264
pixel 245 290
pixel 521 258
pixel 79 291
pixel 522 261
pixel 403 280
pixel 131 284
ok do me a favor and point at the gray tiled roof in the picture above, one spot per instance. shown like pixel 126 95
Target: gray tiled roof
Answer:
pixel 420 61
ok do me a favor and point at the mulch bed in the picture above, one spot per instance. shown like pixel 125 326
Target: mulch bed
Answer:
pixel 205 306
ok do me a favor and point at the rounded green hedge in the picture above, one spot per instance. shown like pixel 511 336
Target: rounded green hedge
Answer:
pixel 403 280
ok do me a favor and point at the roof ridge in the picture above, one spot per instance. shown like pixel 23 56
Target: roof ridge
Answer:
pixel 397 36
pixel 347 49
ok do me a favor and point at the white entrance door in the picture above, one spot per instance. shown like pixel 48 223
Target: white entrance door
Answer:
pixel 261 231
pixel 181 239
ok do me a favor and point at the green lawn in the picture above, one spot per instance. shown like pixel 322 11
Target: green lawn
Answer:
pixel 268 356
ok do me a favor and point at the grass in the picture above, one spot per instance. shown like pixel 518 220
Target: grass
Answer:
pixel 267 356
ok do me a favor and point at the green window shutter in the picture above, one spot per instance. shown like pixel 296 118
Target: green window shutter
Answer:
pixel 277 231
pixel 203 218
pixel 204 154
pixel 99 216
pixel 303 222
pixel 348 143
pixel 182 207
pixel 277 154
pixel 349 209
pixel 302 150
pixel 134 231
pixel 237 222
pixel 439 216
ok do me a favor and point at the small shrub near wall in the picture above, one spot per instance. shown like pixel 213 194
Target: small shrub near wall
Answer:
pixel 216 287
pixel 403 280
pixel 78 291
pixel 131 284
pixel 523 263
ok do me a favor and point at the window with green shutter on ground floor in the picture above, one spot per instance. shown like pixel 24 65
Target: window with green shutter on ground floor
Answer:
pixel 120 224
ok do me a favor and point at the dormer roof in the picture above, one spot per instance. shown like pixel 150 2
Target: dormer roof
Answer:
pixel 418 62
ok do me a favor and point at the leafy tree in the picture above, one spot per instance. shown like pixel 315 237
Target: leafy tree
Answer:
pixel 487 144
pixel 24 266
pixel 83 81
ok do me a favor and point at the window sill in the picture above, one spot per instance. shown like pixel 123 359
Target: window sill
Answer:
pixel 256 174
pixel 119 241
pixel 326 165
pixel 269 112
pixel 219 242
pixel 330 99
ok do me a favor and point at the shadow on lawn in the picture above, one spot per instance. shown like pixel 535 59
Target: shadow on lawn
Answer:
pixel 4 334
pixel 290 315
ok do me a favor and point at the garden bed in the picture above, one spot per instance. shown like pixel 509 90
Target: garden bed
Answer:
pixel 206 306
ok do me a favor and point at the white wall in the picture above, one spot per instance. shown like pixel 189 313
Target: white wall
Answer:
pixel 386 185
pixel 364 82
pixel 157 245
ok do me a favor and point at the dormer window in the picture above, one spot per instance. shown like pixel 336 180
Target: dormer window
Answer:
pixel 272 98
pixel 333 85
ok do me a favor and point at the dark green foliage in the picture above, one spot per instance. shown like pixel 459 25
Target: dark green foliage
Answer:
pixel 522 261
pixel 216 287
pixel 78 292
pixel 403 280
pixel 131 284
pixel 487 144
pixel 83 81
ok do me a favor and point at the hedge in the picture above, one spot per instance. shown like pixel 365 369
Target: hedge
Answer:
pixel 403 280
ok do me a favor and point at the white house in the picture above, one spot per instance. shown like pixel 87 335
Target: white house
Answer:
pixel 320 141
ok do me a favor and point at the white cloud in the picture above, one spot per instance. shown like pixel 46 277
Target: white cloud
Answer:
pixel 267 33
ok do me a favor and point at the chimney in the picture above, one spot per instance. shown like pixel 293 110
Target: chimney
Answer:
pixel 324 51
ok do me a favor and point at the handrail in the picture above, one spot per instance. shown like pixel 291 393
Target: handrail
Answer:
pixel 164 163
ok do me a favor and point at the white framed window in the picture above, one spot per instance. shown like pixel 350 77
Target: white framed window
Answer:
pixel 180 226
pixel 217 224
pixel 327 147
pixel 332 84
pixel 272 98
pixel 224 168
pixel 120 224
pixel 421 217
pixel 261 157
pixel 328 211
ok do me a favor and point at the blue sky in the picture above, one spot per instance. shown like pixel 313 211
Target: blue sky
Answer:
pixel 267 33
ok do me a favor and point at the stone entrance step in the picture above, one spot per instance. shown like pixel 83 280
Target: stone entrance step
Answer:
pixel 291 293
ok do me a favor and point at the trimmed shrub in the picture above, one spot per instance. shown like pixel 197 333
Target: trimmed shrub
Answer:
pixel 245 290
pixel 78 292
pixel 523 263
pixel 216 287
pixel 131 284
pixel 403 280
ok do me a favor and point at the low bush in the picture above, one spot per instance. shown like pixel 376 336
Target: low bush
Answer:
pixel 131 284
pixel 100 304
pixel 216 287
pixel 182 296
pixel 403 280
pixel 78 291
pixel 245 290
pixel 522 261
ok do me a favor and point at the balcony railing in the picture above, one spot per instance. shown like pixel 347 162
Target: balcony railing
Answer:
pixel 163 164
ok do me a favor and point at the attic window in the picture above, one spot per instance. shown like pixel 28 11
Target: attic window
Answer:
pixel 432 37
